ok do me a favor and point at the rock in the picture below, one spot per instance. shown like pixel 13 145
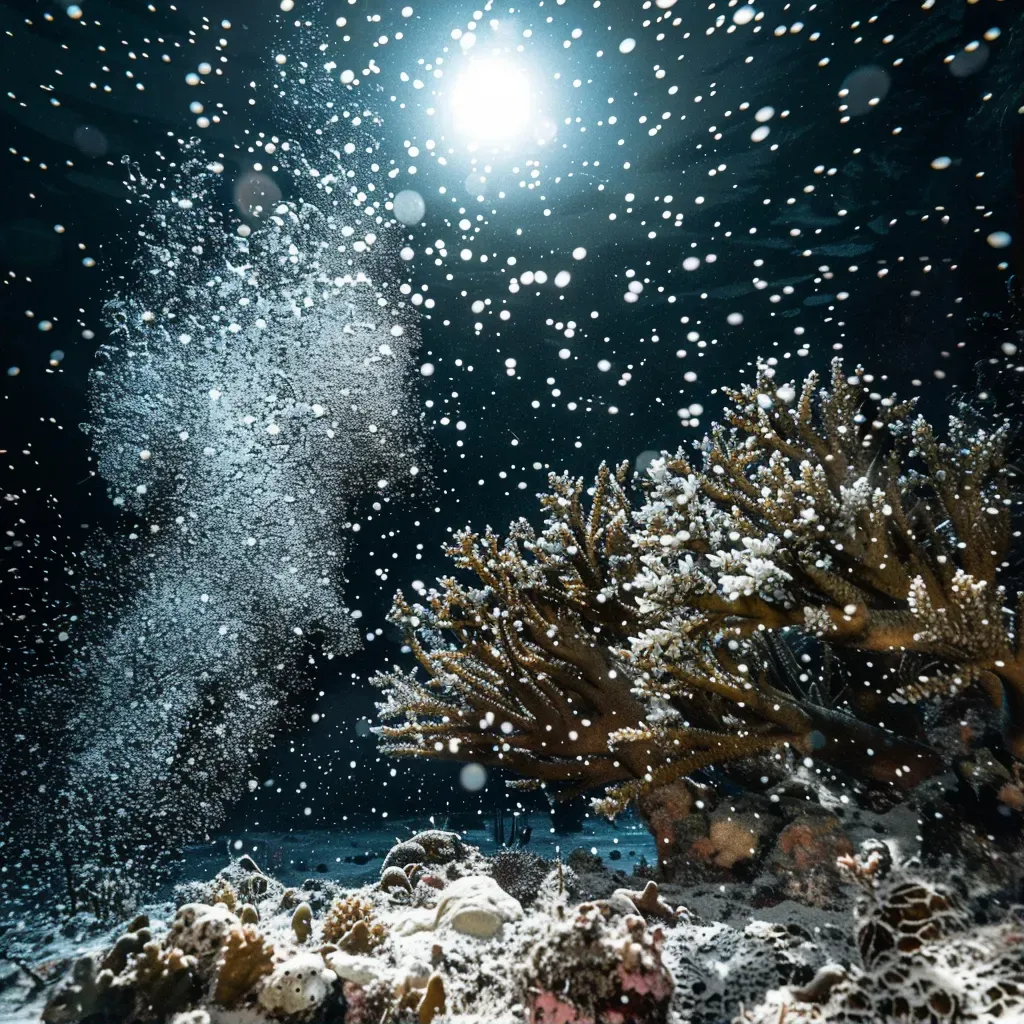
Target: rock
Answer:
pixel 299 985
pixel 476 905
pixel 402 854
pixel 200 929
pixel 395 878
pixel 359 969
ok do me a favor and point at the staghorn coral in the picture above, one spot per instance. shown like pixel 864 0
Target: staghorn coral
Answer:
pixel 530 680
pixel 632 644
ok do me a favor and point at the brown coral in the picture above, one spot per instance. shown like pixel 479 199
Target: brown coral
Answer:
pixel 245 957
pixel 631 647
pixel 351 926
pixel 168 980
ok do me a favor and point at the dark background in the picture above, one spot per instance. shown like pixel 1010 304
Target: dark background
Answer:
pixel 919 331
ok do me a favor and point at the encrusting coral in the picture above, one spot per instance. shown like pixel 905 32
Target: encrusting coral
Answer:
pixel 922 958
pixel 632 644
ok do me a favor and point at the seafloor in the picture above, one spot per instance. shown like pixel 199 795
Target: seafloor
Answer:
pixel 368 927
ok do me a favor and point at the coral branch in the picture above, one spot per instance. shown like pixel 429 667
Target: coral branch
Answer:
pixel 632 645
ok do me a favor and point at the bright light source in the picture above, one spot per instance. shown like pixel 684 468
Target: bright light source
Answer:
pixel 491 100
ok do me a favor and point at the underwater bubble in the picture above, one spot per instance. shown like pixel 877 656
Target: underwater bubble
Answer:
pixel 473 777
pixel 744 15
pixel 256 194
pixel 941 163
pixel 1000 239
pixel 643 461
pixel 410 207
pixel 90 140
pixel 864 88
pixel 971 59
pixel 627 46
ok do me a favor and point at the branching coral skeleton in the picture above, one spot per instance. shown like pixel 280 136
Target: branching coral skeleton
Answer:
pixel 626 645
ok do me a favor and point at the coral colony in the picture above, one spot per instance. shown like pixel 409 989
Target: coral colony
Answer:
pixel 707 621
pixel 631 644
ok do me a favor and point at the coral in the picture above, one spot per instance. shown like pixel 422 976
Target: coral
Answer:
pixel 805 855
pixel 128 945
pixel 88 991
pixel 730 840
pixel 597 967
pixel 630 645
pixel 532 664
pixel 351 926
pixel 302 923
pixel 298 987
pixel 520 873
pixel 476 905
pixel 167 980
pixel 224 892
pixel 649 902
pixel 922 957
pixel 245 958
pixel 718 969
pixel 433 1001
pixel 367 1004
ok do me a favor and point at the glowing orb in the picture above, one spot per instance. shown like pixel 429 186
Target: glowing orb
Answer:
pixel 491 100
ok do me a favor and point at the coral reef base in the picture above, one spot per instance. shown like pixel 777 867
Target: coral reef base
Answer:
pixel 825 924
